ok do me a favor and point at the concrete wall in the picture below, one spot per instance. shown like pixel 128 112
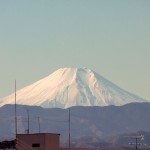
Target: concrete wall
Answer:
pixel 38 142
pixel 52 141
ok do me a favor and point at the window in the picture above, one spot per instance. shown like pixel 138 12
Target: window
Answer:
pixel 36 145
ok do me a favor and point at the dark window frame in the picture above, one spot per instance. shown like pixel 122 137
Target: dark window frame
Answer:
pixel 35 144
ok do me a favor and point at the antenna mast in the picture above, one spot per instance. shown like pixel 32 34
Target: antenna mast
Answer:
pixel 69 117
pixel 69 127
pixel 39 123
pixel 15 112
pixel 139 137
pixel 28 121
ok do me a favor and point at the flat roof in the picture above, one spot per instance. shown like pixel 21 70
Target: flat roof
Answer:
pixel 39 134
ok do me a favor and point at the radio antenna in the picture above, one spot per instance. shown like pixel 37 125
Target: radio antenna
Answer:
pixel 15 111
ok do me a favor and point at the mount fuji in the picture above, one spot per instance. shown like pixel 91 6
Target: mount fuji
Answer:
pixel 69 87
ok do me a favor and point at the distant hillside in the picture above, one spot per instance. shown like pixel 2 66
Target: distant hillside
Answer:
pixel 93 126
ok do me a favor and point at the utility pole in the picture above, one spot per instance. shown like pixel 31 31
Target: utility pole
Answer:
pixel 15 117
pixel 69 127
pixel 28 121
pixel 136 143
pixel 139 137
pixel 39 123
pixel 69 117
pixel 15 112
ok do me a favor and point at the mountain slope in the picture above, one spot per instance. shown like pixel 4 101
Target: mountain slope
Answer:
pixel 68 87
pixel 95 122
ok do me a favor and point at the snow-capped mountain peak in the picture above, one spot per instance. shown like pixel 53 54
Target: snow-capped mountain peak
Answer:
pixel 68 87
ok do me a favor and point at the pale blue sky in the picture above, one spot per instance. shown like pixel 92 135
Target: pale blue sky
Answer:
pixel 111 37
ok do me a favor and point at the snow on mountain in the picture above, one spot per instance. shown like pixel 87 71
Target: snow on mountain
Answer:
pixel 68 87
